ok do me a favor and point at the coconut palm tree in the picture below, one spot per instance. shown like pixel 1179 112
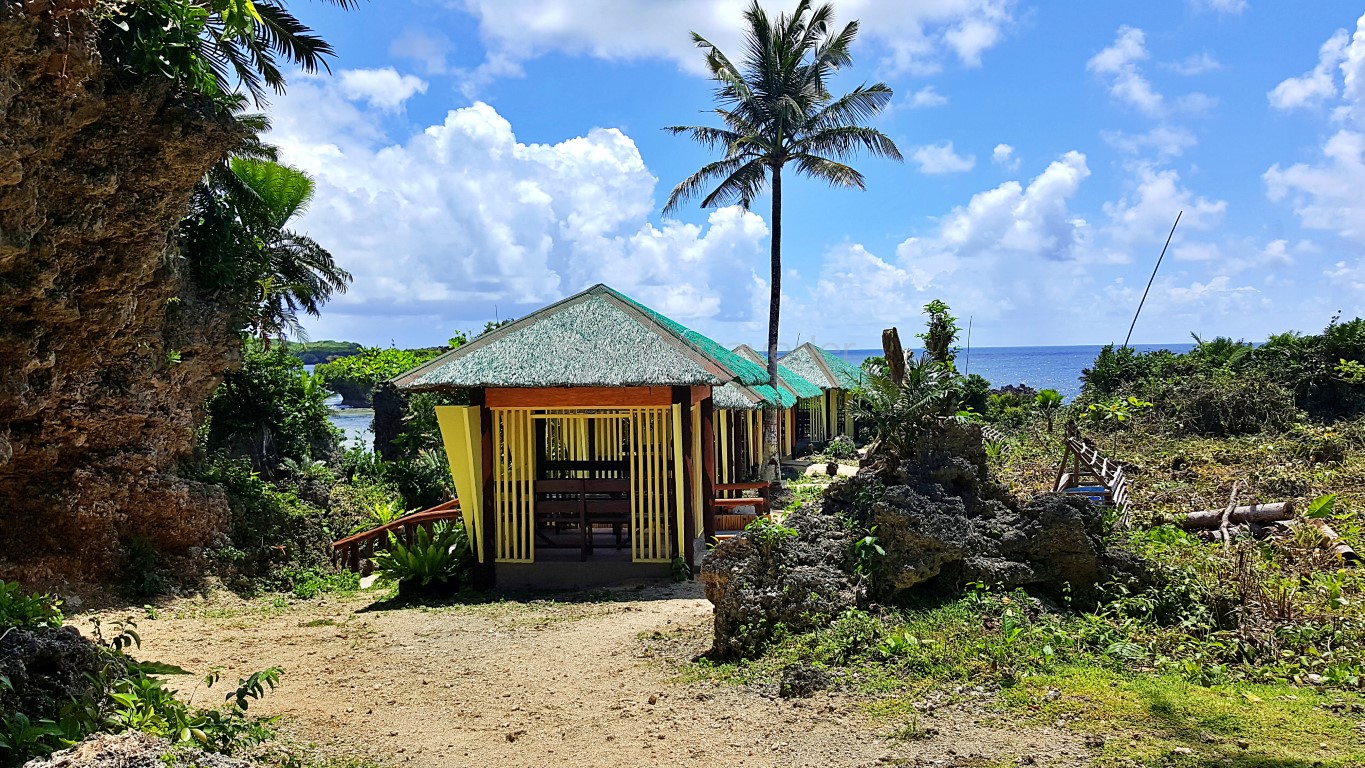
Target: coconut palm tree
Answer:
pixel 776 109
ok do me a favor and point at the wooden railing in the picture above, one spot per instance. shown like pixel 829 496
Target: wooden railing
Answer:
pixel 350 551
pixel 1087 459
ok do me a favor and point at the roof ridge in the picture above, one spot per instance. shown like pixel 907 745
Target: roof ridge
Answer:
pixel 632 309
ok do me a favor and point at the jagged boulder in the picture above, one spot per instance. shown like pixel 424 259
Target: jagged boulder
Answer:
pixel 48 669
pixel 764 584
pixel 132 749
pixel 942 524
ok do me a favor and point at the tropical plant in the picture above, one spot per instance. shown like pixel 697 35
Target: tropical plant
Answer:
pixel 270 410
pixel 941 333
pixel 777 109
pixel 211 46
pixel 901 415
pixel 295 273
pixel 1048 401
pixel 439 554
pixel 20 609
pixel 354 377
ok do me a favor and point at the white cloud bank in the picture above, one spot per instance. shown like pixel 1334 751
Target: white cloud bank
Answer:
pixel 941 158
pixel 913 37
pixel 461 217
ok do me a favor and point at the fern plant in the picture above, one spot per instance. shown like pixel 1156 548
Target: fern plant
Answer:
pixel 436 555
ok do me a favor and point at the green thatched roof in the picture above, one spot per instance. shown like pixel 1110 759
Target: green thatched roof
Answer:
pixel 739 397
pixel 597 338
pixel 790 380
pixel 825 370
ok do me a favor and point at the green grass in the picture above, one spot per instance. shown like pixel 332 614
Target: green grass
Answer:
pixel 1147 717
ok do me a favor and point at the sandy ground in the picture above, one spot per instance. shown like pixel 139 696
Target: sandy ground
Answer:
pixel 575 682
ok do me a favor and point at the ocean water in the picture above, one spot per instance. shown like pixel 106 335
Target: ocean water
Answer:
pixel 1056 368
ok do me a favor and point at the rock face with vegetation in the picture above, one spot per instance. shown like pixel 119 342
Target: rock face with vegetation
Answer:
pixel 132 749
pixel 931 523
pixel 106 351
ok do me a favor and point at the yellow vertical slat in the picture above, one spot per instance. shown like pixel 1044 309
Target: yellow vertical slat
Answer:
pixel 530 470
pixel 502 484
pixel 696 467
pixel 723 436
pixel 660 512
pixel 633 453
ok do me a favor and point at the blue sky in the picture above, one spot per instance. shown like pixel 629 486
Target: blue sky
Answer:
pixel 482 157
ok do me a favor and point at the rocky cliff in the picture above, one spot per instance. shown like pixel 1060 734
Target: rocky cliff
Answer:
pixel 105 351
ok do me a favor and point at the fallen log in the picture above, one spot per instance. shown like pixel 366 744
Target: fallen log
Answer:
pixel 1252 513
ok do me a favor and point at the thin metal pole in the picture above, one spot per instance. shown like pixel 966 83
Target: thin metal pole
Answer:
pixel 967 364
pixel 1150 279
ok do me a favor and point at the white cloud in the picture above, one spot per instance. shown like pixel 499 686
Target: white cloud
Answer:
pixel 941 158
pixel 442 226
pixel 1011 217
pixel 1353 75
pixel 926 97
pixel 1147 213
pixel 428 48
pixel 1316 86
pixel 1196 64
pixel 1119 63
pixel 916 37
pixel 1326 196
pixel 1221 6
pixel 383 89
pixel 1003 156
pixel 1165 141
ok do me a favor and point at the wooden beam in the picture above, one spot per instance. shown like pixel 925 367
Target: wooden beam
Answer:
pixel 578 397
pixel 486 572
pixel 684 397
pixel 699 393
pixel 708 470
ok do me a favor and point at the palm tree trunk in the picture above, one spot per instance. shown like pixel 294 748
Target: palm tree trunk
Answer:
pixel 770 416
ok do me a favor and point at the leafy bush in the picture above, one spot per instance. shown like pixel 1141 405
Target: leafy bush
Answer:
pixel 422 481
pixel 121 694
pixel 270 527
pixel 841 447
pixel 270 410
pixel 436 555
pixel 20 609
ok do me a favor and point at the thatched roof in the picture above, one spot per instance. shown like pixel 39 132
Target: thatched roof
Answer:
pixel 825 370
pixel 597 338
pixel 790 380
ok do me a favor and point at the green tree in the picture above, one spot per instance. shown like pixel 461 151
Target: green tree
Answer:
pixel 941 333
pixel 296 272
pixel 270 410
pixel 1049 401
pixel 211 46
pixel 777 109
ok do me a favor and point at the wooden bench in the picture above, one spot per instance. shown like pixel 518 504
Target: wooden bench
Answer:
pixel 584 503
pixel 724 507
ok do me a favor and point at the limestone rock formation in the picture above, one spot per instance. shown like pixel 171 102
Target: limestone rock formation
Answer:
pixel 47 670
pixel 942 524
pixel 106 352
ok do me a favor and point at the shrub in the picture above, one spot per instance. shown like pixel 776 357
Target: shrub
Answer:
pixel 436 555
pixel 841 447
pixel 19 609
pixel 270 410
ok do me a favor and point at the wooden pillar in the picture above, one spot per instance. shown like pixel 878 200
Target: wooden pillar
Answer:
pixel 831 426
pixel 708 470
pixel 683 396
pixel 485 573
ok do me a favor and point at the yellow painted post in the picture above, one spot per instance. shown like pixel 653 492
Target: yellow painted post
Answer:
pixel 723 437
pixel 632 454
pixel 459 425
pixel 696 467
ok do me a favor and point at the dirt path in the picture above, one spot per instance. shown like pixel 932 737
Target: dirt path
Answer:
pixel 538 683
